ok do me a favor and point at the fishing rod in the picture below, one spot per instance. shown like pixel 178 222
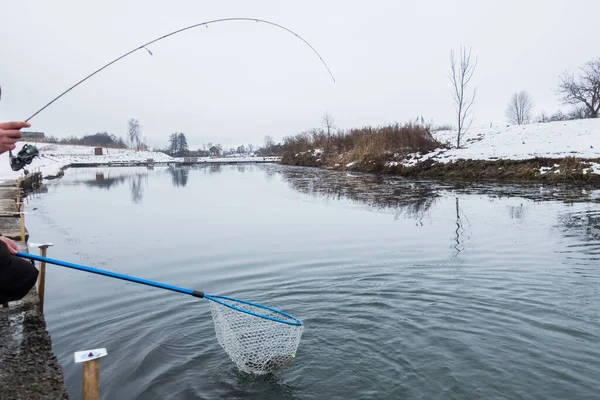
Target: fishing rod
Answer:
pixel 206 23
pixel 26 155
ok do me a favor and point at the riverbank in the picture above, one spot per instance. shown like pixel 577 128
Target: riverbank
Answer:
pixel 553 151
pixel 55 158
pixel 28 368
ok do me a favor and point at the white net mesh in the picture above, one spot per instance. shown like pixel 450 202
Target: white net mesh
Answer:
pixel 256 345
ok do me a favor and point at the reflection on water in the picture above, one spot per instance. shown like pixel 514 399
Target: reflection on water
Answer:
pixel 585 226
pixel 214 168
pixel 136 185
pixel 517 212
pixel 107 181
pixel 586 223
pixel 409 289
pixel 179 176
pixel 459 229
pixel 406 198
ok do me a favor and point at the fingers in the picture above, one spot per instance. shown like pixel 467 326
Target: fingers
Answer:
pixel 6 147
pixel 14 125
pixel 13 134
pixel 8 141
pixel 13 248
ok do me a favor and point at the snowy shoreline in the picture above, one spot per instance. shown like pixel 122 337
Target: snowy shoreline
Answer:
pixel 529 151
pixel 54 158
pixel 560 139
pixel 534 144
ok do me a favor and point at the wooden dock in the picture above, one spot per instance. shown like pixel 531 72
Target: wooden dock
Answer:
pixel 28 368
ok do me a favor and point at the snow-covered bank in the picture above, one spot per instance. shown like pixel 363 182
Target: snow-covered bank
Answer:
pixel 578 138
pixel 563 150
pixel 54 157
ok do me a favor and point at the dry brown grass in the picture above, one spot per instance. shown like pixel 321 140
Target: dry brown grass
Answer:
pixel 361 144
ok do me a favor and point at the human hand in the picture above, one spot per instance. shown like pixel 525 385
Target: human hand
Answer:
pixel 12 246
pixel 10 133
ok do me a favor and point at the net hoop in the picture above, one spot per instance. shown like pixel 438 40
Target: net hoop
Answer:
pixel 290 321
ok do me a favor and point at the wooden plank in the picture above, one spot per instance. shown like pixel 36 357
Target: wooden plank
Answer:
pixel 91 380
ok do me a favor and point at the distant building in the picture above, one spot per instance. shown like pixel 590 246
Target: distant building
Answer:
pixel 190 160
pixel 33 136
pixel 214 151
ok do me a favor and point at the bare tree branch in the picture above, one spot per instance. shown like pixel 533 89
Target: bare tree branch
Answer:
pixel 460 77
pixel 583 89
pixel 328 123
pixel 134 133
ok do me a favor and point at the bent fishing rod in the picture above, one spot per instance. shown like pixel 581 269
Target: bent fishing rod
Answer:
pixel 206 23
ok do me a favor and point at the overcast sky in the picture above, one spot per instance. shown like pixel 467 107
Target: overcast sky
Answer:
pixel 236 82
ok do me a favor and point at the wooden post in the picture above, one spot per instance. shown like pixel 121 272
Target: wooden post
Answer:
pixel 41 283
pixel 91 372
pixel 18 191
pixel 22 210
pixel 91 380
pixel 42 279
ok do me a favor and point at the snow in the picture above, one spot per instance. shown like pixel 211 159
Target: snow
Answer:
pixel 577 138
pixel 594 168
pixel 53 157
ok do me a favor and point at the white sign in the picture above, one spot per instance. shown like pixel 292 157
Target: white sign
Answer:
pixel 40 244
pixel 87 355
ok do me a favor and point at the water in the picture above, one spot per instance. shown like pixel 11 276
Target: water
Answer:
pixel 410 290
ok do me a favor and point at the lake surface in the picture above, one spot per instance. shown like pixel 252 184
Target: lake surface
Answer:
pixel 408 290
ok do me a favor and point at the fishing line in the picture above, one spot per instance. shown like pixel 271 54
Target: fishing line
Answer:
pixel 206 23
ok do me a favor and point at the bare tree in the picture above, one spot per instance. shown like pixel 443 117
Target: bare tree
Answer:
pixel 584 89
pixel 328 123
pixel 268 141
pixel 134 133
pixel 460 77
pixel 519 108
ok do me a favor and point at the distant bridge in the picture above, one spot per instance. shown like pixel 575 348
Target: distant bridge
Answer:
pixel 100 161
pixel 225 160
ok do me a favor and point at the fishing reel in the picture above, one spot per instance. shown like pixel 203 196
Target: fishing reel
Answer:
pixel 24 157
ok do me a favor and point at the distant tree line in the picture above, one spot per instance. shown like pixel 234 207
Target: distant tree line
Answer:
pixel 102 139
pixel 178 147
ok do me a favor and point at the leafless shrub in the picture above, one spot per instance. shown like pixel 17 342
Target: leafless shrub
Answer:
pixel 519 108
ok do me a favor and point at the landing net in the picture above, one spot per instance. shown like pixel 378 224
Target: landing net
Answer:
pixel 258 339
